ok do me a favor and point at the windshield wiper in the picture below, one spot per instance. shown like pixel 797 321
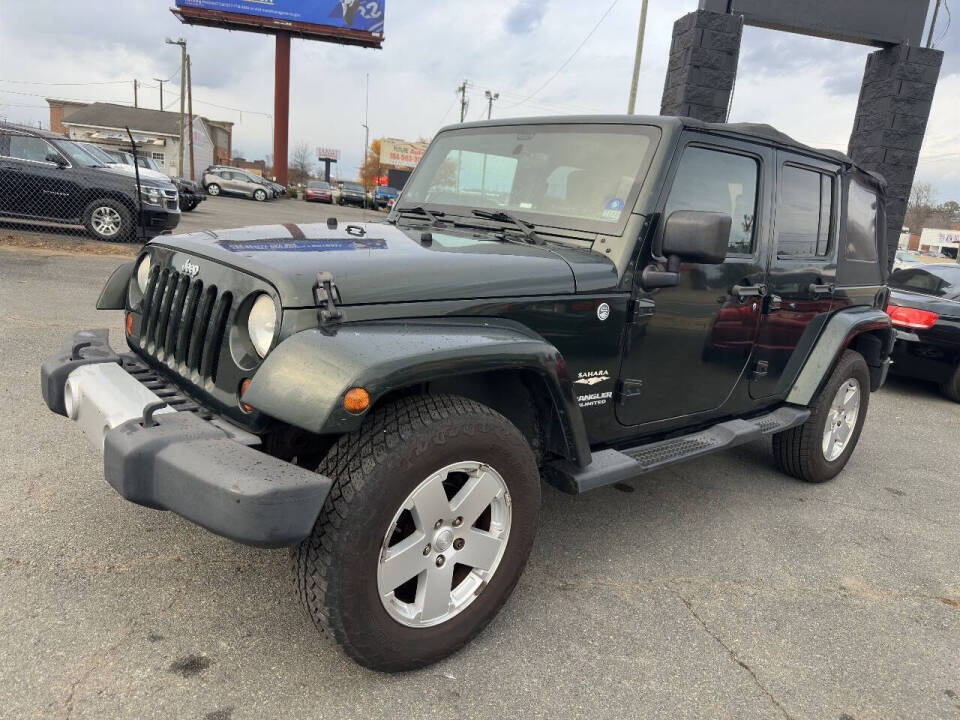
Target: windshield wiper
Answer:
pixel 527 230
pixel 432 216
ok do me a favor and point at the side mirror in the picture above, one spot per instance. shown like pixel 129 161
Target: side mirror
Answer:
pixel 689 236
pixel 56 159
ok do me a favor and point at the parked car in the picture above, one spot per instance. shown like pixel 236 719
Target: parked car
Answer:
pixel 382 196
pixel 119 160
pixel 385 398
pixel 318 191
pixel 352 194
pixel 236 182
pixel 44 176
pixel 904 259
pixel 925 309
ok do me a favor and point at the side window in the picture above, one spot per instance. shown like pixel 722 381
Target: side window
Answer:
pixel 24 147
pixel 861 224
pixel 804 212
pixel 715 181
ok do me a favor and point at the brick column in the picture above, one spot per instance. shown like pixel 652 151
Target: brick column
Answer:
pixel 703 65
pixel 892 113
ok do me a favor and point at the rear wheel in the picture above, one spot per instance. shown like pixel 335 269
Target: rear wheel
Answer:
pixel 427 528
pixel 213 189
pixel 109 220
pixel 951 388
pixel 820 448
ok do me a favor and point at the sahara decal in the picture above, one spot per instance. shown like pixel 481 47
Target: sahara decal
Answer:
pixel 592 377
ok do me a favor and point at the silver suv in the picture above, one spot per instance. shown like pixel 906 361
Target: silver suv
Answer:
pixel 232 181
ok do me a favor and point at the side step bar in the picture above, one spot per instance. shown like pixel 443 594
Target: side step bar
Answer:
pixel 612 466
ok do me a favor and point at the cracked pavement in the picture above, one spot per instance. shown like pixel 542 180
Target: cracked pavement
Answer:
pixel 718 588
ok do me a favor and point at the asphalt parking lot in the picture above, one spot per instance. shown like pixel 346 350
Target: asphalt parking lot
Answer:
pixel 718 588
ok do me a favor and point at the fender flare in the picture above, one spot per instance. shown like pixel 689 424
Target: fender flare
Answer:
pixel 840 330
pixel 303 380
pixel 114 293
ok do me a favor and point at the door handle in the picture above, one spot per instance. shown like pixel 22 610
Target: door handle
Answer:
pixel 742 292
pixel 817 290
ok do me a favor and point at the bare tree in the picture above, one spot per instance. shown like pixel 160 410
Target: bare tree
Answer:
pixel 920 207
pixel 301 163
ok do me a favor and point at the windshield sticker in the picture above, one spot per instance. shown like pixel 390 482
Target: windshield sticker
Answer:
pixel 287 245
pixel 613 208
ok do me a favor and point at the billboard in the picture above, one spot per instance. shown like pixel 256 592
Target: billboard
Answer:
pixel 401 154
pixel 331 154
pixel 339 20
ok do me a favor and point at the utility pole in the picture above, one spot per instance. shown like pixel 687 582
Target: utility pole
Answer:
pixel 161 91
pixel 190 114
pixel 631 108
pixel 464 103
pixel 135 93
pixel 183 82
pixel 491 98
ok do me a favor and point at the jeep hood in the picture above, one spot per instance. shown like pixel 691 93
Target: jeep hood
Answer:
pixel 381 263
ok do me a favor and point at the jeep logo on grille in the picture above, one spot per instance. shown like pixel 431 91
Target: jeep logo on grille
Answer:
pixel 190 269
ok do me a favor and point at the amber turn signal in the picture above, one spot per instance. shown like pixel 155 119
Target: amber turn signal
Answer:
pixel 244 384
pixel 129 323
pixel 356 400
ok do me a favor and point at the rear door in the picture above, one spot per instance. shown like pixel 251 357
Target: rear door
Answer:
pixel 33 185
pixel 689 345
pixel 802 262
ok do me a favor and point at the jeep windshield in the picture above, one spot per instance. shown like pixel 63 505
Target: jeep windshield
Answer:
pixel 577 176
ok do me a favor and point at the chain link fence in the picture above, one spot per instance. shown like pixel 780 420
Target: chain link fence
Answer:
pixel 51 184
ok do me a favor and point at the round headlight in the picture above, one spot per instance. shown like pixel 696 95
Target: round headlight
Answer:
pixel 143 273
pixel 262 323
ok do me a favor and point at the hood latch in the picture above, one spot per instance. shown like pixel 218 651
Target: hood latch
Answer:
pixel 327 296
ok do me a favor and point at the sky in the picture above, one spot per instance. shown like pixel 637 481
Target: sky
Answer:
pixel 806 87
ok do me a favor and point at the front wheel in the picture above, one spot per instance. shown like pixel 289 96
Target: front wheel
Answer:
pixel 108 220
pixel 424 534
pixel 820 448
pixel 259 195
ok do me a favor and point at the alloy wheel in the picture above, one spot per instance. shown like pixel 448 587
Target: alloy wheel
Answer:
pixel 841 419
pixel 444 544
pixel 106 221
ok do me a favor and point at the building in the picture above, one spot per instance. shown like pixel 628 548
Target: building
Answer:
pixel 940 242
pixel 156 132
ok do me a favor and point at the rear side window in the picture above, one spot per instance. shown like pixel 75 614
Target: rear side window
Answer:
pixel 804 212
pixel 861 224
pixel 715 181
pixel 24 147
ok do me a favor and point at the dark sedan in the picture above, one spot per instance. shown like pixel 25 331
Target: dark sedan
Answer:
pixel 318 191
pixel 925 309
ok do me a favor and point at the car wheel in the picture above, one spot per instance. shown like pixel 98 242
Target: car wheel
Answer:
pixel 259 195
pixel 425 532
pixel 820 448
pixel 108 220
pixel 951 388
pixel 213 189
pixel 189 206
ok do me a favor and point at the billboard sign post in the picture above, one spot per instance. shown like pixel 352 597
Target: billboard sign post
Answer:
pixel 327 156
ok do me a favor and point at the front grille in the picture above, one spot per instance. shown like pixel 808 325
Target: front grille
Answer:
pixel 172 199
pixel 183 322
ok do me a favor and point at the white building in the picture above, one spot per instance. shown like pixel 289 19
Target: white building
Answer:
pixel 940 242
pixel 156 132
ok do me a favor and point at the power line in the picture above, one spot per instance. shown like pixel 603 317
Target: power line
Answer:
pixel 72 84
pixel 569 59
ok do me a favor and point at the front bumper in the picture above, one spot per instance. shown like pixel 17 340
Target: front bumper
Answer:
pixel 163 451
pixel 158 221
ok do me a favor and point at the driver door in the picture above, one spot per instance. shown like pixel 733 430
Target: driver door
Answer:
pixel 688 346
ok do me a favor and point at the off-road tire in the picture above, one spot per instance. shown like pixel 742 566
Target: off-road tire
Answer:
pixel 213 189
pixel 125 233
pixel 799 451
pixel 259 195
pixel 374 469
pixel 951 388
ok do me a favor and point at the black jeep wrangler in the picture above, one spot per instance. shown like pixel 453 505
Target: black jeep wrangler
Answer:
pixel 581 300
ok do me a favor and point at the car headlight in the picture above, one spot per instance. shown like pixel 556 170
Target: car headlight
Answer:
pixel 262 323
pixel 151 195
pixel 143 273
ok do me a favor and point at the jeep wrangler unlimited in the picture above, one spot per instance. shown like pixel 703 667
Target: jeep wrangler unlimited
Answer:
pixel 582 300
